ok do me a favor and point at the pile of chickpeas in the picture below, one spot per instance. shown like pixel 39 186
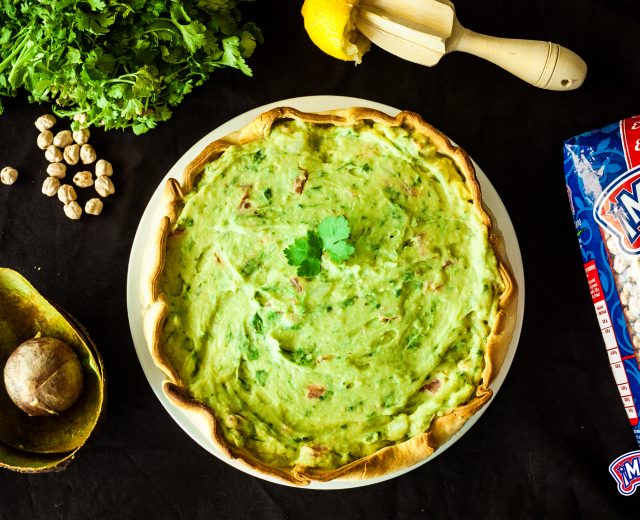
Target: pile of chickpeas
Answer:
pixel 67 148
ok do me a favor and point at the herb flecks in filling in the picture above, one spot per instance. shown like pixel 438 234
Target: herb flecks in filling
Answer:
pixel 385 328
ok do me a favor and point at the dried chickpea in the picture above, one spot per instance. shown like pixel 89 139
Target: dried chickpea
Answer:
pixel 8 175
pixel 63 138
pixel 104 186
pixel 53 154
pixel 72 154
pixel 83 179
pixel 66 193
pixel 81 118
pixel 57 169
pixel 45 122
pixel 104 168
pixel 73 210
pixel 81 136
pixel 93 206
pixel 50 186
pixel 87 154
pixel 44 140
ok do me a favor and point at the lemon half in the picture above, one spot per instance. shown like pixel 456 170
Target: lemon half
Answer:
pixel 331 25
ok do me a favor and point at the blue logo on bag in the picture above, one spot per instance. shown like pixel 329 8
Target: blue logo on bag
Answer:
pixel 626 471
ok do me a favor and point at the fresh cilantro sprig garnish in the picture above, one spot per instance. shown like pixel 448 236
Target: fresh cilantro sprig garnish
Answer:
pixel 331 236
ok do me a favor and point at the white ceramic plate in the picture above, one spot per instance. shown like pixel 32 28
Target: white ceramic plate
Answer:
pixel 134 306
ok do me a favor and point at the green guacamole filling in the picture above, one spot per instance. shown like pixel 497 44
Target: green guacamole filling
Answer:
pixel 324 370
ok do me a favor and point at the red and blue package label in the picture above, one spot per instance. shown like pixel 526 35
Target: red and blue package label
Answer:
pixel 626 472
pixel 602 170
pixel 618 211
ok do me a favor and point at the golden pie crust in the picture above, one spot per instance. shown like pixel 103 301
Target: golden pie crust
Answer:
pixel 391 458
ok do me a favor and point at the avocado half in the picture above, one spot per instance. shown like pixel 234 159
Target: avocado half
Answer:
pixel 40 444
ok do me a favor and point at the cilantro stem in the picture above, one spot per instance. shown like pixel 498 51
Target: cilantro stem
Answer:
pixel 24 58
pixel 17 50
pixel 120 80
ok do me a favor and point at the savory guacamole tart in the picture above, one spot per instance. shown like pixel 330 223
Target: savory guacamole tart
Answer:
pixel 327 295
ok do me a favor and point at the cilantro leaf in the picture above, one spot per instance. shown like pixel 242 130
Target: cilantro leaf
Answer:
pixel 193 33
pixel 96 5
pixel 310 267
pixel 306 253
pixel 334 232
pixel 340 251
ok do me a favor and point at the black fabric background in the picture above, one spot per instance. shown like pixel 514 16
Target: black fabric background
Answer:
pixel 543 447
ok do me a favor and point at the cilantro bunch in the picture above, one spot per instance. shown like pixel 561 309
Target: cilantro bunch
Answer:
pixel 332 235
pixel 121 63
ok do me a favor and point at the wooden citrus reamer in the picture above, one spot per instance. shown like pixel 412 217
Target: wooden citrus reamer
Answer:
pixel 423 31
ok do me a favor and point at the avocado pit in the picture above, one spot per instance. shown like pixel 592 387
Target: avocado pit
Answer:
pixel 43 377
